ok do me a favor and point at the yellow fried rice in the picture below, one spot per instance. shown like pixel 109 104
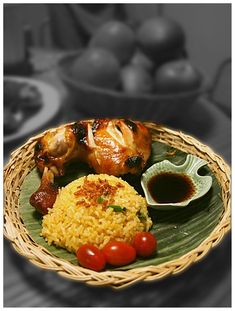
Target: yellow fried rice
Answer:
pixel 95 209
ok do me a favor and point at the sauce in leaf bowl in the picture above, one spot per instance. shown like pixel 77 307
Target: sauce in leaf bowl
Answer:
pixel 170 186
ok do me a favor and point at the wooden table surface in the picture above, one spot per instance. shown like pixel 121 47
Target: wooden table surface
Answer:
pixel 205 284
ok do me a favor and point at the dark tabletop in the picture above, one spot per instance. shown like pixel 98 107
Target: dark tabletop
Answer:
pixel 205 284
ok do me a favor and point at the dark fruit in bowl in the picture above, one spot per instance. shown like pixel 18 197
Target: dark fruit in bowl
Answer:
pixel 136 80
pixel 161 38
pixel 117 38
pixel 142 60
pixel 177 76
pixel 97 67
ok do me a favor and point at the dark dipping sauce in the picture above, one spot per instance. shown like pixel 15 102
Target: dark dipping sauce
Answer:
pixel 171 187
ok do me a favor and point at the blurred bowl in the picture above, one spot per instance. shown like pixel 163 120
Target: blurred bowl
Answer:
pixel 94 102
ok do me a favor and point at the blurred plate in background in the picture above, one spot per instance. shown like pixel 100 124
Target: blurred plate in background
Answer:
pixel 50 101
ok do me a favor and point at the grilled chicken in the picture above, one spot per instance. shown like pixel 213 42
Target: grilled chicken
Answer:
pixel 46 194
pixel 111 146
pixel 114 147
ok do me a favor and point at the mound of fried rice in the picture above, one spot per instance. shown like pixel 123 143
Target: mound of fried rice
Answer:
pixel 95 209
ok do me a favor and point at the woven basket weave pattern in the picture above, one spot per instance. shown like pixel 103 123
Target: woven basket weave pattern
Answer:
pixel 21 163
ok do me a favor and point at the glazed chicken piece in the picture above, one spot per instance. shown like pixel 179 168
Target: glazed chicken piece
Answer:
pixel 46 194
pixel 114 147
pixel 56 148
pixel 110 146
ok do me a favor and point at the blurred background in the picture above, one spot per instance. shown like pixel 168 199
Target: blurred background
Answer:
pixel 207 28
pixel 167 63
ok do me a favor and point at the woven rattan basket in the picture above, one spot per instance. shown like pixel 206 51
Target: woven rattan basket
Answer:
pixel 21 163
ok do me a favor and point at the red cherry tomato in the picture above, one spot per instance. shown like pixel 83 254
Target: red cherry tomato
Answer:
pixel 145 244
pixel 91 257
pixel 119 253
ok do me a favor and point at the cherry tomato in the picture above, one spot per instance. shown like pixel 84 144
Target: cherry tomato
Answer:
pixel 145 244
pixel 119 253
pixel 91 257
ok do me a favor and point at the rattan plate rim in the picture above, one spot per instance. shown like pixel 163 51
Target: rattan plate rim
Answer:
pixel 15 231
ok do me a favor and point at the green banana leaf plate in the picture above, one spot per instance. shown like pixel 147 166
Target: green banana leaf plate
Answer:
pixel 177 231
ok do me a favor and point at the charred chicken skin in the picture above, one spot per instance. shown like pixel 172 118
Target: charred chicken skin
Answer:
pixel 110 146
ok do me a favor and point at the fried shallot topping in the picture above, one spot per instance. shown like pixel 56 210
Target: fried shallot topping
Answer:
pixel 93 192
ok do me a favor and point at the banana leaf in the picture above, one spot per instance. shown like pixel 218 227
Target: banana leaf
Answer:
pixel 177 231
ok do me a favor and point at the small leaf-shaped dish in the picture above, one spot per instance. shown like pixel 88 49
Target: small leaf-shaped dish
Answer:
pixel 190 167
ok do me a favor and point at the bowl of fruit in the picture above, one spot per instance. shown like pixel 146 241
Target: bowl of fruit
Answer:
pixel 138 73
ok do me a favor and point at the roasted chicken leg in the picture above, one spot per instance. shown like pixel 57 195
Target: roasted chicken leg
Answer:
pixel 46 194
pixel 114 147
pixel 111 146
